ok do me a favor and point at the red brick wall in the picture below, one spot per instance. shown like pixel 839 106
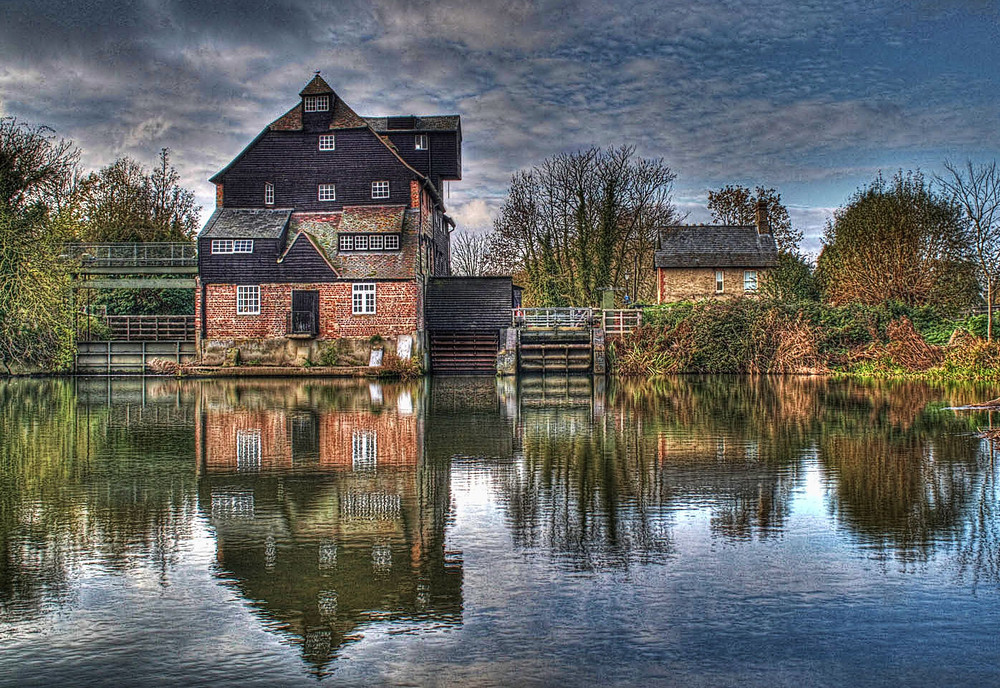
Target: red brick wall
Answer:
pixel 218 195
pixel 397 311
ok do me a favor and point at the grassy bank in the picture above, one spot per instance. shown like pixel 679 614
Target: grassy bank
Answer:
pixel 752 336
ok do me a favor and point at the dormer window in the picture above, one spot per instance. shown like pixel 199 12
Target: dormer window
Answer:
pixel 316 103
pixel 420 142
pixel 268 193
pixel 327 142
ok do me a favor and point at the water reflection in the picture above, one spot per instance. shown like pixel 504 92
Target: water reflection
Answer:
pixel 328 506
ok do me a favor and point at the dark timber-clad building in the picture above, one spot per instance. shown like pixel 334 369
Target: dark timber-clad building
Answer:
pixel 328 226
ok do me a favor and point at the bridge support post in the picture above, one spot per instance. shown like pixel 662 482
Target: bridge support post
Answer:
pixel 507 355
pixel 600 360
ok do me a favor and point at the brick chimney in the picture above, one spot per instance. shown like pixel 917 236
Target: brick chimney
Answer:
pixel 761 221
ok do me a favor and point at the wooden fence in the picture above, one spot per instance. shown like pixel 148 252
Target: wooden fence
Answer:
pixel 140 328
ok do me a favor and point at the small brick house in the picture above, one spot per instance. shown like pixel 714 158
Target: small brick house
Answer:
pixel 712 261
pixel 327 227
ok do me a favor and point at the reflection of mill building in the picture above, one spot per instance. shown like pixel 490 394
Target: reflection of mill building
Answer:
pixel 327 514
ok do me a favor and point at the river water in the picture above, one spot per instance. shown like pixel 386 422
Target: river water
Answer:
pixel 696 531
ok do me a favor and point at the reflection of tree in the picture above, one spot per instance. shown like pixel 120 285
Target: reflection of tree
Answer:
pixel 103 480
pixel 979 547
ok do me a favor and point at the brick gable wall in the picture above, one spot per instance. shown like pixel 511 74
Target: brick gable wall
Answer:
pixel 689 284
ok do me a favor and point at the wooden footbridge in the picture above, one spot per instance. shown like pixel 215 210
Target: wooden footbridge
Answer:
pixel 125 344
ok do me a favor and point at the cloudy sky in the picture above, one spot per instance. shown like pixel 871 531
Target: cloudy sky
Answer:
pixel 812 97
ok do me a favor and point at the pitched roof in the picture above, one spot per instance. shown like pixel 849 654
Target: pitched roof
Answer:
pixel 429 123
pixel 390 265
pixel 719 246
pixel 316 87
pixel 245 223
pixel 372 219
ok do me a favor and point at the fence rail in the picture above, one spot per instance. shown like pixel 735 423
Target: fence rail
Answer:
pixel 620 322
pixel 553 317
pixel 130 255
pixel 140 328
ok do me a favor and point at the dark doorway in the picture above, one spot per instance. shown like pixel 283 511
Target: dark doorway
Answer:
pixel 305 313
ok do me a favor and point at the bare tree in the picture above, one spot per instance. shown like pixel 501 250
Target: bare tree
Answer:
pixel 470 254
pixel 737 205
pixel 582 222
pixel 976 189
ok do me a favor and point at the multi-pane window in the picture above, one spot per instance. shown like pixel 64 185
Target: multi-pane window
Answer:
pixel 327 142
pixel 248 450
pixel 420 142
pixel 363 298
pixel 364 450
pixel 317 103
pixel 248 300
pixel 232 246
pixel 380 189
pixel 749 280
pixel 327 192
pixel 368 242
pixel 268 193
pixel 719 283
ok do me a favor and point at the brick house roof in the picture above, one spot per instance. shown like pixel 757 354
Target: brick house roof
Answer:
pixel 714 246
pixel 324 232
pixel 430 123
pixel 372 219
pixel 246 223
pixel 316 87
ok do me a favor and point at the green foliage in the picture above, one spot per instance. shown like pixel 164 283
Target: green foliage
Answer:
pixel 331 354
pixel 737 205
pixel 146 301
pixel 792 280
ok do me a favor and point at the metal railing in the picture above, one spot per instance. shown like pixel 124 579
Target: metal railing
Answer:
pixel 303 323
pixel 620 322
pixel 128 255
pixel 138 328
pixel 553 317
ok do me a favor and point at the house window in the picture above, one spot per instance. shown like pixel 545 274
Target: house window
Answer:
pixel 364 450
pixel 376 242
pixel 248 450
pixel 222 246
pixel 719 281
pixel 420 142
pixel 317 103
pixel 380 189
pixel 248 300
pixel 327 192
pixel 346 242
pixel 749 280
pixel 391 242
pixel 363 298
pixel 242 245
pixel 327 142
pixel 361 242
pixel 268 193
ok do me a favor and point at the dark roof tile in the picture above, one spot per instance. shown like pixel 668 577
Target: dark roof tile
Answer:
pixel 245 223
pixel 686 246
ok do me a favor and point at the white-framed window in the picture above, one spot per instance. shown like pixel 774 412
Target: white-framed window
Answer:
pixel 376 242
pixel 364 450
pixel 242 245
pixel 749 280
pixel 327 192
pixel 720 283
pixel 363 298
pixel 268 193
pixel 420 142
pixel 380 189
pixel 391 242
pixel 346 242
pixel 222 246
pixel 317 103
pixel 248 300
pixel 248 450
pixel 361 242
pixel 327 142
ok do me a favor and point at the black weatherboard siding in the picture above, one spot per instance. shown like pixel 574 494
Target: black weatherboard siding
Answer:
pixel 468 303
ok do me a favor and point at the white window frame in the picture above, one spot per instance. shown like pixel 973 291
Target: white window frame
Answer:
pixel 316 103
pixel 248 452
pixel 346 242
pixel 364 450
pixel 750 281
pixel 421 142
pixel 327 142
pixel 363 298
pixel 268 193
pixel 248 299
pixel 360 242
pixel 376 242
pixel 380 189
pixel 720 281
pixel 326 192
pixel 242 246
pixel 391 242
pixel 222 246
